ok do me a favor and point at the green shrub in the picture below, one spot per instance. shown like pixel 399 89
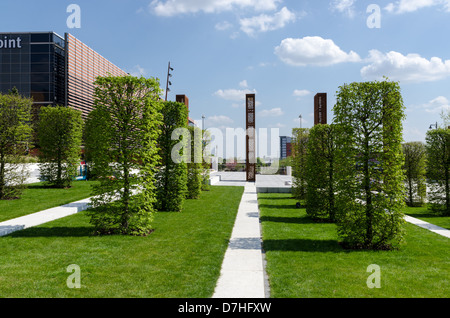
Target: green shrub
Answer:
pixel 299 146
pixel 415 169
pixel 320 169
pixel 15 137
pixel 121 144
pixel 438 169
pixel 194 165
pixel 60 136
pixel 369 174
pixel 171 178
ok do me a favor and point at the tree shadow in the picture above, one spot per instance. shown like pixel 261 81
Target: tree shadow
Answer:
pixel 281 219
pixel 63 231
pixel 279 206
pixel 303 245
pixel 276 198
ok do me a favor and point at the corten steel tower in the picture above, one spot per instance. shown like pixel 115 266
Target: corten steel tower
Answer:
pixel 250 138
pixel 320 108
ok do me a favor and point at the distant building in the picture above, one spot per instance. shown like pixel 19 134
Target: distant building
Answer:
pixel 285 147
pixel 52 69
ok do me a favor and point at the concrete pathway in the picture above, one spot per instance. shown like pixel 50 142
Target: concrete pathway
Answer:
pixel 42 217
pixel 242 274
pixel 428 226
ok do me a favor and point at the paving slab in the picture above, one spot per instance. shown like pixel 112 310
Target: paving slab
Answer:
pixel 42 217
pixel 242 274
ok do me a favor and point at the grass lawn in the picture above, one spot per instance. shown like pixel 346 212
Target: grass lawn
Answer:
pixel 426 215
pixel 37 198
pixel 181 258
pixel 305 260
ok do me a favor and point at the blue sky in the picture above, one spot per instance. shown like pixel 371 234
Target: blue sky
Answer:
pixel 284 51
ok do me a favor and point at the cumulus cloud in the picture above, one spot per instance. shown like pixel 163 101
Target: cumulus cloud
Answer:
pixel 313 50
pixel 344 6
pixel 437 105
pixel 138 71
pixel 224 25
pixel 301 92
pixel 405 68
pixel 233 94
pixel 243 84
pixel 175 7
pixel 219 119
pixel 271 112
pixel 264 22
pixel 404 6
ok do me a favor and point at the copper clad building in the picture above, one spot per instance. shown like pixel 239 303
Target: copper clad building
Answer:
pixel 52 69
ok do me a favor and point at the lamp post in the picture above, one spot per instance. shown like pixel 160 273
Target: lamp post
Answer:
pixel 300 120
pixel 203 122
pixel 168 82
pixel 435 126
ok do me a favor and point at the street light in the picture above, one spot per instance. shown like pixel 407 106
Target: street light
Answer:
pixel 300 120
pixel 435 126
pixel 168 82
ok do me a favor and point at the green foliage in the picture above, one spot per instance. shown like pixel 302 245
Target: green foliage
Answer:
pixel 194 165
pixel 206 161
pixel 369 173
pixel 415 169
pixel 15 136
pixel 299 145
pixel 171 178
pixel 320 169
pixel 438 156
pixel 60 136
pixel 121 144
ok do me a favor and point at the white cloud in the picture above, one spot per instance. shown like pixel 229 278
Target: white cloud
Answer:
pixel 437 105
pixel 344 6
pixel 243 84
pixel 313 50
pixel 271 112
pixel 405 6
pixel 301 92
pixel 233 94
pixel 138 71
pixel 405 68
pixel 222 26
pixel 175 7
pixel 219 119
pixel 264 22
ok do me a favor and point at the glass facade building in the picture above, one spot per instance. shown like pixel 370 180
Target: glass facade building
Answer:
pixel 52 69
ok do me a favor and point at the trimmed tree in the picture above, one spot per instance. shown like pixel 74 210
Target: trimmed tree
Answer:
pixel 206 160
pixel 121 143
pixel 15 136
pixel 320 170
pixel 369 174
pixel 194 164
pixel 415 169
pixel 299 146
pixel 60 136
pixel 174 143
pixel 438 169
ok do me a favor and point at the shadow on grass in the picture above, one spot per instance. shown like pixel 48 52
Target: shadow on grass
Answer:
pixel 278 206
pixel 303 245
pixel 54 232
pixel 281 219
pixel 276 198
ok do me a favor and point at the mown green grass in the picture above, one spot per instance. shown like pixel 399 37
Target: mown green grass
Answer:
pixel 426 215
pixel 38 197
pixel 180 259
pixel 305 260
